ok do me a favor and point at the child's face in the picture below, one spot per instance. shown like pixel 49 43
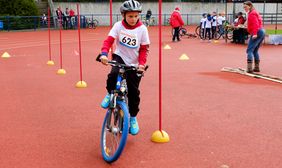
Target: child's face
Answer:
pixel 131 18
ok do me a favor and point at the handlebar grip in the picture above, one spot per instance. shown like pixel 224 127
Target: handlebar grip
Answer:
pixel 146 67
pixel 98 58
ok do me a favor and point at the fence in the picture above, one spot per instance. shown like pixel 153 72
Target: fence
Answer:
pixel 36 22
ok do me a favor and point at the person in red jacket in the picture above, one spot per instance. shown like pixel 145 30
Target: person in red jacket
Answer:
pixel 176 22
pixel 254 28
pixel 238 32
pixel 72 18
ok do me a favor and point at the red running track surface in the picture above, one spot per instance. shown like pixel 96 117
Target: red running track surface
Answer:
pixel 213 118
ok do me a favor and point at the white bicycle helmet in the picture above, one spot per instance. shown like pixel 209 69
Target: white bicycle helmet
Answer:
pixel 131 6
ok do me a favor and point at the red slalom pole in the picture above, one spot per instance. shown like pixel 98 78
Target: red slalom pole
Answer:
pixel 61 71
pixel 50 62
pixel 111 13
pixel 81 83
pixel 79 42
pixel 160 135
pixel 160 65
pixel 61 49
pixel 111 19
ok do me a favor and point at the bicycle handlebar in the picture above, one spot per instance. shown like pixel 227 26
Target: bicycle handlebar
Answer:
pixel 114 63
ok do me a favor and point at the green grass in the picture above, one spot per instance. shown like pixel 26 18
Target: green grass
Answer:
pixel 279 31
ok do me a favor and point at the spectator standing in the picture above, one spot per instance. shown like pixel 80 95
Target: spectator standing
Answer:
pixel 44 19
pixel 66 18
pixel 59 14
pixel 203 25
pixel 176 22
pixel 214 24
pixel 148 17
pixel 220 21
pixel 238 32
pixel 208 26
pixel 72 18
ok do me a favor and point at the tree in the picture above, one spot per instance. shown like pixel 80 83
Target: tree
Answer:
pixel 18 8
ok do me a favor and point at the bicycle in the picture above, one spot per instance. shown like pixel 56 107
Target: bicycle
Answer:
pixel 115 126
pixel 198 31
pixel 167 21
pixel 92 23
pixel 218 34
pixel 183 32
pixel 227 32
pixel 149 22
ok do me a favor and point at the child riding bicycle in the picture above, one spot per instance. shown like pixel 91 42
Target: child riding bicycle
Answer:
pixel 132 43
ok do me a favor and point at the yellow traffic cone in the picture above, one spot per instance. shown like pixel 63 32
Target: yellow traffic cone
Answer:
pixel 81 84
pixel 160 136
pixel 183 57
pixel 167 47
pixel 61 72
pixel 6 55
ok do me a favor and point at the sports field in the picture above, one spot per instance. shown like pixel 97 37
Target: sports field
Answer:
pixel 273 31
pixel 214 119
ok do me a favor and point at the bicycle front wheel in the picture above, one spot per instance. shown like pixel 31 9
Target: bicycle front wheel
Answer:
pixel 229 34
pixel 95 23
pixel 114 132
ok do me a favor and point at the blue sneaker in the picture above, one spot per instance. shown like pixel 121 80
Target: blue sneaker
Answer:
pixel 106 101
pixel 134 128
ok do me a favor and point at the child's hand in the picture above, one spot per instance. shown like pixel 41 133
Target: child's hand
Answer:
pixel 104 59
pixel 141 68
pixel 254 36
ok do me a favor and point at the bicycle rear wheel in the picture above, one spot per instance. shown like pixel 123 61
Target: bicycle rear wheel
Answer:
pixel 95 23
pixel 182 31
pixel 114 132
pixel 217 35
pixel 198 31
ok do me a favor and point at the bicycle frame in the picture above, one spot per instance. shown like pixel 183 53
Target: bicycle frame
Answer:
pixel 119 94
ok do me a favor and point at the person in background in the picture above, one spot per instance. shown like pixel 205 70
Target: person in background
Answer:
pixel 66 18
pixel 214 24
pixel 208 21
pixel 72 18
pixel 203 25
pixel 59 14
pixel 255 29
pixel 238 32
pixel 148 17
pixel 44 19
pixel 220 21
pixel 176 22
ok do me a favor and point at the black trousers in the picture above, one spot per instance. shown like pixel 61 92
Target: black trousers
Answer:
pixel 239 36
pixel 208 32
pixel 133 82
pixel 176 34
pixel 213 31
pixel 236 36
